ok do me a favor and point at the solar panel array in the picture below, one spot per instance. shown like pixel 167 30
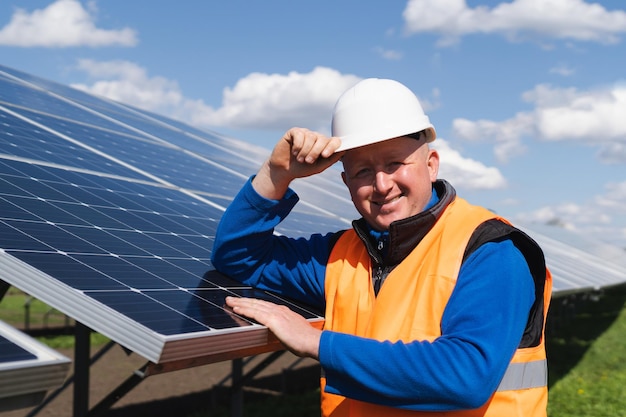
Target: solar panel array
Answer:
pixel 578 262
pixel 108 214
pixel 28 369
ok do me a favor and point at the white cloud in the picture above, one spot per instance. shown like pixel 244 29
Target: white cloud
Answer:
pixel 128 83
pixel 613 153
pixel 64 23
pixel 563 70
pixel 262 101
pixel 516 20
pixel 389 54
pixel 432 103
pixel 614 199
pixel 277 101
pixel 506 135
pixel 602 218
pixel 594 116
pixel 465 172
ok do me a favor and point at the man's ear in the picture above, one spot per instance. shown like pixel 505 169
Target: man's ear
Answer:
pixel 433 164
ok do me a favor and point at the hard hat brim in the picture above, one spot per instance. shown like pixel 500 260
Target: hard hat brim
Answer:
pixel 357 140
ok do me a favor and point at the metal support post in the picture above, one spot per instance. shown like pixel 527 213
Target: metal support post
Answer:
pixel 81 369
pixel 68 382
pixel 236 396
pixel 4 288
pixel 131 382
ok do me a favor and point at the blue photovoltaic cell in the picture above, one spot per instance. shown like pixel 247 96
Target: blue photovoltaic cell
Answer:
pixel 149 312
pixel 108 229
pixel 238 156
pixel 231 152
pixel 11 352
pixel 18 95
pixel 20 139
pixel 28 369
pixel 171 165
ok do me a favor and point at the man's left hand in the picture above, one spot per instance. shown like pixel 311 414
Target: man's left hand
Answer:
pixel 293 330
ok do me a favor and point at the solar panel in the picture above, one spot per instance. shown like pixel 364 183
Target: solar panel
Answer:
pixel 108 214
pixel 28 369
pixel 578 262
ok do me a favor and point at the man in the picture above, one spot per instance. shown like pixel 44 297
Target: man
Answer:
pixel 432 306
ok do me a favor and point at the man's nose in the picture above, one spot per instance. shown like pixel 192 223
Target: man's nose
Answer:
pixel 382 181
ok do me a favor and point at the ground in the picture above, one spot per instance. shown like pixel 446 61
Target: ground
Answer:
pixel 178 393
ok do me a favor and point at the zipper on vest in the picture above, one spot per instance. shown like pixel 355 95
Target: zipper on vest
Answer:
pixel 379 277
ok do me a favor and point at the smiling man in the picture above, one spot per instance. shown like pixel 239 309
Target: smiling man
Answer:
pixel 433 306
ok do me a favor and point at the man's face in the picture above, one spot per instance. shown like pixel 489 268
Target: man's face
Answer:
pixel 390 180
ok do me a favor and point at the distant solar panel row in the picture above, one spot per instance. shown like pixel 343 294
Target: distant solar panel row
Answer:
pixel 28 369
pixel 12 352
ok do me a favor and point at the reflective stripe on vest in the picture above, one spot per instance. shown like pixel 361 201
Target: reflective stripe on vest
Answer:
pixel 524 375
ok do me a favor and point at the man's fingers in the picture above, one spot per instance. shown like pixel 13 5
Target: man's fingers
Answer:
pixel 308 146
pixel 329 150
pixel 238 302
pixel 250 307
pixel 289 327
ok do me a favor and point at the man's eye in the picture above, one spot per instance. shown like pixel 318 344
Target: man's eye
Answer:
pixel 393 166
pixel 362 173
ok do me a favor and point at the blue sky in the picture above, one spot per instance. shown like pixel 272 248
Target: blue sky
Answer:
pixel 528 97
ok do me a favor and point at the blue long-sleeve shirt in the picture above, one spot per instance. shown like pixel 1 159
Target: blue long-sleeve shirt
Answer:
pixel 481 327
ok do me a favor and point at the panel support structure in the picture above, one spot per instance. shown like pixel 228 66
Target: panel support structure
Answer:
pixel 4 287
pixel 81 369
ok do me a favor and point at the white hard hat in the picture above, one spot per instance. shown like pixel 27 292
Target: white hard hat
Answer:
pixel 375 110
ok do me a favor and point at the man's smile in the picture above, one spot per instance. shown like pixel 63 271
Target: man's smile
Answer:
pixel 387 201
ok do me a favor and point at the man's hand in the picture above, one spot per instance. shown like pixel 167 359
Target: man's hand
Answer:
pixel 299 153
pixel 290 328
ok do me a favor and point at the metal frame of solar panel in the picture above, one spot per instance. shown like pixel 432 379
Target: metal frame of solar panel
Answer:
pixel 108 214
pixel 28 369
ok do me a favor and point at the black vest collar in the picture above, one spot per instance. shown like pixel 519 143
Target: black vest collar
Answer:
pixel 406 234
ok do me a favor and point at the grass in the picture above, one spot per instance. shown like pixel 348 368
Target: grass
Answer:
pixel 46 324
pixel 23 311
pixel 586 358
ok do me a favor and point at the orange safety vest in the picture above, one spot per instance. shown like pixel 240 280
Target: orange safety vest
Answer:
pixel 410 306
